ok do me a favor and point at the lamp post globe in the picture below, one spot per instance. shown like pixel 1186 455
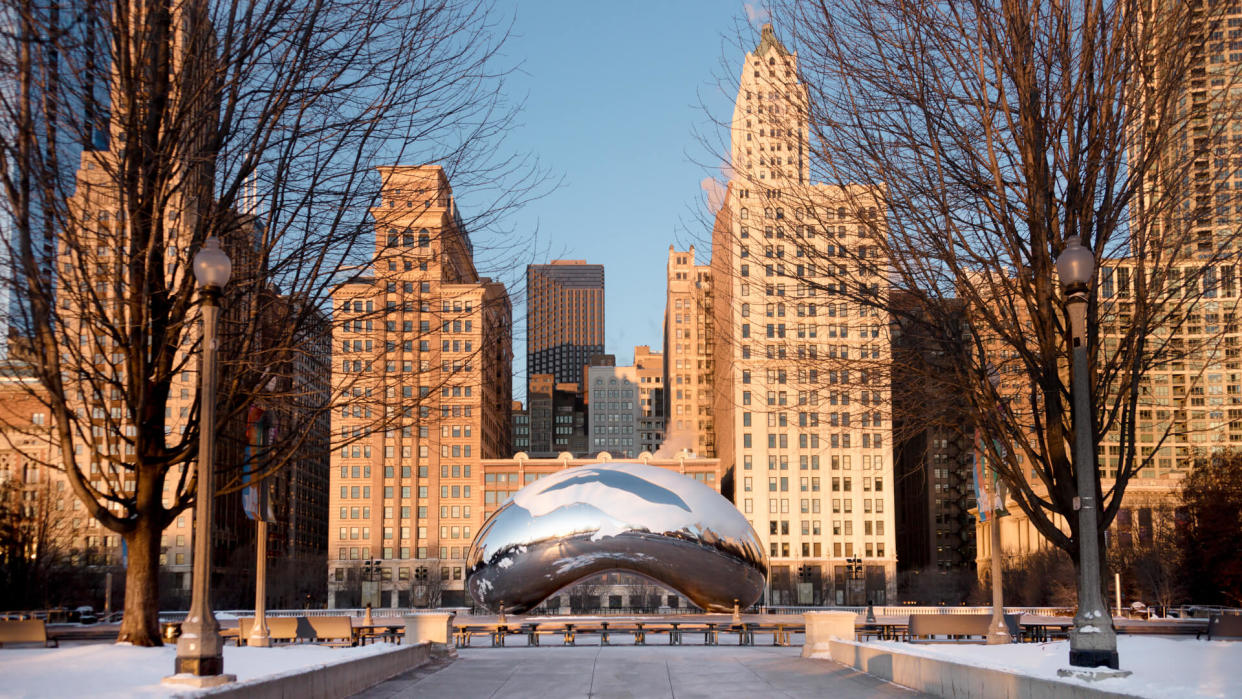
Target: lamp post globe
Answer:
pixel 1093 640
pixel 212 267
pixel 1075 265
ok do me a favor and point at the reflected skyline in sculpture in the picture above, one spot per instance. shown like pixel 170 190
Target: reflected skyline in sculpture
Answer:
pixel 621 516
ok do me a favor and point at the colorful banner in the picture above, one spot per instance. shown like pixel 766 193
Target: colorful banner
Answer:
pixel 989 489
pixel 255 498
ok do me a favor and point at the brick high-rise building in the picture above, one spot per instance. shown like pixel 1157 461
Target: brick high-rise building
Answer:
pixel 558 417
pixel 934 445
pixel 564 319
pixel 801 406
pixel 423 346
pixel 649 367
pixel 688 350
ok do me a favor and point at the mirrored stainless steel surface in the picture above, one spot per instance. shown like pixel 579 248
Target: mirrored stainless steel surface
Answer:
pixel 616 516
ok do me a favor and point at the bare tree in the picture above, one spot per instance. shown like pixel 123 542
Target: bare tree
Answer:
pixel 138 129
pixel 968 143
pixel 1210 534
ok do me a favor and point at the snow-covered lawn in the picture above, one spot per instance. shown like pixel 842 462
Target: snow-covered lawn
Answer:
pixel 122 670
pixel 1163 666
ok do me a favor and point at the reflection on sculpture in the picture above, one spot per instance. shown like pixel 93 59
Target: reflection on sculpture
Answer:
pixel 616 516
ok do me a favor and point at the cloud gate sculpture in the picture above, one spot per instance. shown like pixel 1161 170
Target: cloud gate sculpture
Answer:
pixel 616 516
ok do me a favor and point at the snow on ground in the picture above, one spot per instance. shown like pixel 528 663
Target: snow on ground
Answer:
pixel 121 670
pixel 1163 666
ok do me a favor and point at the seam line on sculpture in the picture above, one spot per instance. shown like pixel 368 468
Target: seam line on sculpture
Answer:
pixel 669 669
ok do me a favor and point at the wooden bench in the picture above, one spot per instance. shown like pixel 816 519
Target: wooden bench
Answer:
pixel 26 631
pixel 1224 627
pixel 659 628
pixel 956 628
pixel 462 634
pixel 279 628
pixel 781 633
pixel 330 630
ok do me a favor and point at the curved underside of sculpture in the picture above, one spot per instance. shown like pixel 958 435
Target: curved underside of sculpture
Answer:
pixel 616 516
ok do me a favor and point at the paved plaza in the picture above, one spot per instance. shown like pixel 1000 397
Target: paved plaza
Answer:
pixel 640 672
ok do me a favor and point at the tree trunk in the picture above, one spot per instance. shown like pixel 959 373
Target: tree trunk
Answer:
pixel 141 625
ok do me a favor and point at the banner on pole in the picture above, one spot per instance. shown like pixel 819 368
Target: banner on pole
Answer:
pixel 256 500
pixel 989 489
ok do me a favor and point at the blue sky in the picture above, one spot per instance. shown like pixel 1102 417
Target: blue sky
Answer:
pixel 614 96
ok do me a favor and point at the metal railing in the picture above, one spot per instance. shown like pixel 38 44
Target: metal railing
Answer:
pixel 903 609
pixel 376 612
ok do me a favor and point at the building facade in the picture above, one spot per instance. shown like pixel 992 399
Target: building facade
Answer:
pixel 933 444
pixel 557 415
pixel 615 411
pixel 649 367
pixel 689 346
pixel 565 318
pixel 422 358
pixel 802 413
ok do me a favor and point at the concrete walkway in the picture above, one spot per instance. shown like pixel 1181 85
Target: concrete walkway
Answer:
pixel 618 671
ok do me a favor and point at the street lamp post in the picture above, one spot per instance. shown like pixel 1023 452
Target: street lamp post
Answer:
pixel 259 632
pixel 998 631
pixel 1093 640
pixel 200 660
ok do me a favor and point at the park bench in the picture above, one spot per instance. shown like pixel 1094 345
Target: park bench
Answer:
pixel 956 628
pixel 25 631
pixel 463 633
pixel 781 632
pixel 659 628
pixel 329 630
pixel 546 628
pixel 1224 627
pixel 281 628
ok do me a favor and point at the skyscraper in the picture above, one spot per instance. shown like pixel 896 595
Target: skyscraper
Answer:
pixel 801 403
pixel 564 320
pixel 423 345
pixel 688 349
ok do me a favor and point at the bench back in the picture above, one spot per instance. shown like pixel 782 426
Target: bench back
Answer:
pixel 1225 626
pixel 279 628
pixel 23 631
pixel 949 624
pixel 331 627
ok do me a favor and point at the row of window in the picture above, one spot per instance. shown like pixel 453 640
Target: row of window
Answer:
pixel 812 506
pixel 812 549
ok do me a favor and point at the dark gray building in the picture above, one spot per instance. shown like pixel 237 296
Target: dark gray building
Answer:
pixel 564 319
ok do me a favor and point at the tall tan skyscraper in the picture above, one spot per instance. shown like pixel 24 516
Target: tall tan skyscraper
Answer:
pixel 801 404
pixel 423 345
pixel 688 348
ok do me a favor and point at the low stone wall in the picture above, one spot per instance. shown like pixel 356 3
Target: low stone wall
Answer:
pixel 822 627
pixel 331 681
pixel 948 679
pixel 435 628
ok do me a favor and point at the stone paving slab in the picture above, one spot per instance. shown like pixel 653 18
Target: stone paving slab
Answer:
pixel 618 672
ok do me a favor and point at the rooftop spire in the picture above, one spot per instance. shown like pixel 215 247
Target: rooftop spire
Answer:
pixel 769 42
